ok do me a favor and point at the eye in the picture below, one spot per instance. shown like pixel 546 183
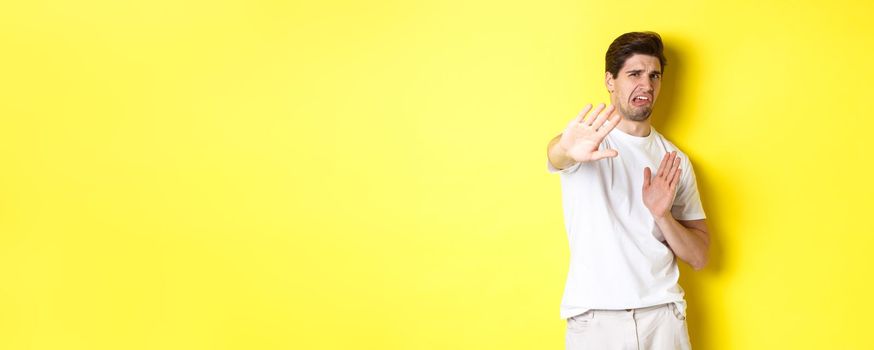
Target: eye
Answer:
pixel 656 76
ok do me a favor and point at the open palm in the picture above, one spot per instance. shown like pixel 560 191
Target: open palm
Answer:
pixel 660 190
pixel 583 136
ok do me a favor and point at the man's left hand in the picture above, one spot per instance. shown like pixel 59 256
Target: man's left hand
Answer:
pixel 659 190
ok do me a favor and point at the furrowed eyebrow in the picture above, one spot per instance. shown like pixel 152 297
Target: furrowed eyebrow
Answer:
pixel 641 70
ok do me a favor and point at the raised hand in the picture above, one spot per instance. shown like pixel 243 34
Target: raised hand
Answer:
pixel 581 138
pixel 659 190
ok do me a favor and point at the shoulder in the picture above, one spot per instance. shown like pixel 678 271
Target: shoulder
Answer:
pixel 668 145
pixel 671 147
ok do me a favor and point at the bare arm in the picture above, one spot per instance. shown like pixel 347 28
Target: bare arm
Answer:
pixel 688 239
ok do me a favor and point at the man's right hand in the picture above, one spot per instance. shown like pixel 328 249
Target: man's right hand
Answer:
pixel 581 138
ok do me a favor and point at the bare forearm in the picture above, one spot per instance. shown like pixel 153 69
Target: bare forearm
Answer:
pixel 689 244
pixel 558 156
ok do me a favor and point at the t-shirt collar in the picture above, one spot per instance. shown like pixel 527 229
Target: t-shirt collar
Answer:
pixel 635 139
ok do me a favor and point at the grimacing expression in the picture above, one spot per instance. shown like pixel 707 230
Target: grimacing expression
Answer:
pixel 635 89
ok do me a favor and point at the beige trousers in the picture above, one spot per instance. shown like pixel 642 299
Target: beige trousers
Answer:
pixel 659 327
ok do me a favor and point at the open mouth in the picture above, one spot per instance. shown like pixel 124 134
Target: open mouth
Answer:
pixel 641 100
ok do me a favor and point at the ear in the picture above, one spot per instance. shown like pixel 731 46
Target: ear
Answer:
pixel 608 81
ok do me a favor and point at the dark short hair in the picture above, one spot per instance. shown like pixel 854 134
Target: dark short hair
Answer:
pixel 628 44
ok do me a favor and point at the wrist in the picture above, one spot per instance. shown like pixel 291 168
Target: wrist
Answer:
pixel 561 144
pixel 563 151
pixel 663 218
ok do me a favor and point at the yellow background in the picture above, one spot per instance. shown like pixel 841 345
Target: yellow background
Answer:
pixel 332 175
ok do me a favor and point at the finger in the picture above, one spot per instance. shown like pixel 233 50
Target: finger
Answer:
pixel 603 117
pixel 594 114
pixel 647 177
pixel 605 127
pixel 607 153
pixel 676 180
pixel 611 122
pixel 586 109
pixel 662 165
pixel 675 164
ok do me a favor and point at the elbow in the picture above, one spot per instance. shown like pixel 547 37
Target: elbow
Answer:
pixel 700 262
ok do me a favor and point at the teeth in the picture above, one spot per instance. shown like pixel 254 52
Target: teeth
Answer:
pixel 641 98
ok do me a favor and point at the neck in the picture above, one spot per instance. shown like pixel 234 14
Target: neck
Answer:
pixel 640 129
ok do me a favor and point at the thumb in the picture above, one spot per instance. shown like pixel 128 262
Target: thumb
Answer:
pixel 647 177
pixel 604 154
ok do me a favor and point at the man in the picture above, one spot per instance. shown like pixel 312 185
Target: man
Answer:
pixel 631 207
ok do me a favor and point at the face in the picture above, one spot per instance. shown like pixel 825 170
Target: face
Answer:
pixel 635 89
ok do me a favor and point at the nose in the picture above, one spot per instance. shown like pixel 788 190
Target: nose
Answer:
pixel 646 84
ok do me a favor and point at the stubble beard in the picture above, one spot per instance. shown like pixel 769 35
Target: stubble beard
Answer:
pixel 637 115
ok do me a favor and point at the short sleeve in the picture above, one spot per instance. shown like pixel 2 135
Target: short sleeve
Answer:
pixel 687 204
pixel 552 169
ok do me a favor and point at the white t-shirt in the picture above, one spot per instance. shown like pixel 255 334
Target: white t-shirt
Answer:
pixel 619 258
